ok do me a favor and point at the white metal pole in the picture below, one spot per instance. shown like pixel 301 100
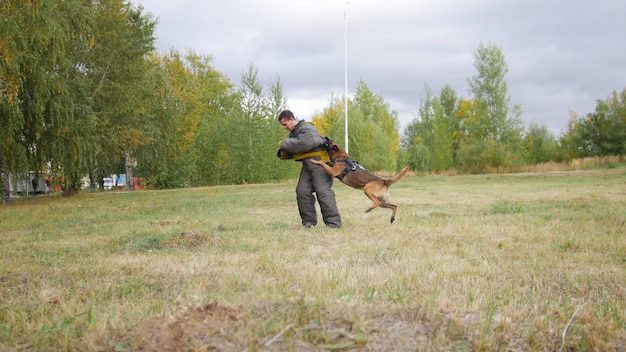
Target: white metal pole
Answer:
pixel 345 68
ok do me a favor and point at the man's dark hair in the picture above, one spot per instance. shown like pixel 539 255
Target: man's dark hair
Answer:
pixel 285 115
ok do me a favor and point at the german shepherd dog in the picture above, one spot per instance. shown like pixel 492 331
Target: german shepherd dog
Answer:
pixel 352 174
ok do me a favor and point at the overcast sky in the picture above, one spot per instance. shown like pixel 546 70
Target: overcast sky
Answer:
pixel 562 55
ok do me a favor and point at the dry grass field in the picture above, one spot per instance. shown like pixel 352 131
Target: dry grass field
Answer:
pixel 509 262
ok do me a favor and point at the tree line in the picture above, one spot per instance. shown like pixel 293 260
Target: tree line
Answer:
pixel 83 92
pixel 474 134
pixel 483 131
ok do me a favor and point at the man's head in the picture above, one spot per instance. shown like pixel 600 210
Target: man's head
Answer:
pixel 287 120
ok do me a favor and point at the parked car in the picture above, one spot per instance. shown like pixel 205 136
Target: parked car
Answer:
pixel 107 183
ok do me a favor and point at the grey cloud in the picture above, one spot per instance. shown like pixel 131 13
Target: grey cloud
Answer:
pixel 562 55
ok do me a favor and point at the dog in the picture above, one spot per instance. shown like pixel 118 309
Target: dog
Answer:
pixel 352 174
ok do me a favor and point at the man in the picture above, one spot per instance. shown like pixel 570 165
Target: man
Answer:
pixel 304 144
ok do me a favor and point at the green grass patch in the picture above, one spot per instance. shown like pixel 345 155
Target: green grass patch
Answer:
pixel 485 262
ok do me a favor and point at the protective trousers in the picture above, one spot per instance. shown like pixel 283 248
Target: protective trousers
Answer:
pixel 314 179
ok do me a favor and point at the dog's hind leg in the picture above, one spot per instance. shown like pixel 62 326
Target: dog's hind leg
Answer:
pixel 375 205
pixel 372 196
pixel 382 200
pixel 391 206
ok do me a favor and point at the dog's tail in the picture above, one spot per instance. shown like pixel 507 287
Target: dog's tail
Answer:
pixel 397 177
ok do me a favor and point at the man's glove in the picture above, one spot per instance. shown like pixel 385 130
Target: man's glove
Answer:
pixel 283 155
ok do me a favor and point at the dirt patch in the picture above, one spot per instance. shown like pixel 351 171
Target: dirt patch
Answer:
pixel 191 239
pixel 215 327
pixel 209 327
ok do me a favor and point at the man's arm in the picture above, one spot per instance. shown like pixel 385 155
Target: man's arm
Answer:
pixel 306 140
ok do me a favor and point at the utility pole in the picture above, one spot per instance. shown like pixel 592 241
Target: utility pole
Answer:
pixel 345 69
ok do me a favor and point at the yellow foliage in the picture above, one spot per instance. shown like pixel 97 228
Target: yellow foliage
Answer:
pixel 325 120
pixel 467 109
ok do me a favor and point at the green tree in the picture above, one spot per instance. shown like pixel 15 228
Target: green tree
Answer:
pixel 419 137
pixel 47 110
pixel 188 96
pixel 429 139
pixel 373 128
pixel 69 68
pixel 603 132
pixel 247 147
pixel 539 144
pixel 377 141
pixel 256 124
pixel 570 143
pixel 330 121
pixel 278 169
pixel 450 104
pixel 13 42
pixel 118 70
pixel 219 100
pixel 494 131
pixel 178 118
pixel 443 146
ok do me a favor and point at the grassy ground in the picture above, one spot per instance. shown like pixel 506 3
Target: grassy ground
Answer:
pixel 527 262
